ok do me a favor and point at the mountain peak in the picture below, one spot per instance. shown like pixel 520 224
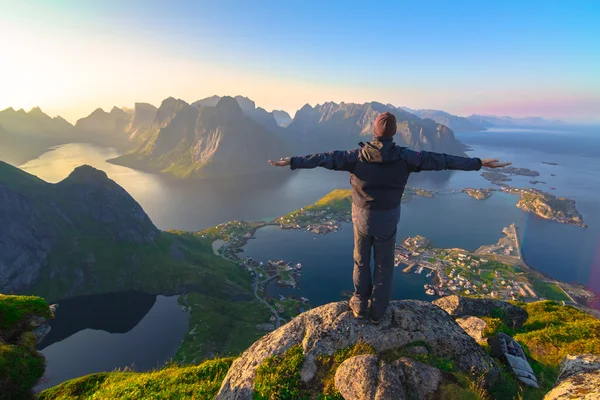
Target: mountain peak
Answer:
pixel 230 105
pixel 86 174
pixel 36 110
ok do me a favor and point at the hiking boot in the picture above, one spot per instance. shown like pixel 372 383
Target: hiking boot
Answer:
pixel 357 311
pixel 374 319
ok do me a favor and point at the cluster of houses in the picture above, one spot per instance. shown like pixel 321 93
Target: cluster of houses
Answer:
pixel 322 221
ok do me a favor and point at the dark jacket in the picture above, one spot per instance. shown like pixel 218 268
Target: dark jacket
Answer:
pixel 379 171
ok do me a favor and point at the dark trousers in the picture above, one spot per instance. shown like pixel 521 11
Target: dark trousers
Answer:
pixel 378 288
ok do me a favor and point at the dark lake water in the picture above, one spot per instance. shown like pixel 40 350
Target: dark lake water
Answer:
pixel 563 252
pixel 115 330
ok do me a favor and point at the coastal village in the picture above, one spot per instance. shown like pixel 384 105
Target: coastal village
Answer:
pixel 492 271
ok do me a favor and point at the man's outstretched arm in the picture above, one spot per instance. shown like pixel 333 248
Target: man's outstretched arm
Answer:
pixel 429 161
pixel 335 160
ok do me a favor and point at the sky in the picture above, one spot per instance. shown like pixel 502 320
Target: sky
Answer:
pixel 519 58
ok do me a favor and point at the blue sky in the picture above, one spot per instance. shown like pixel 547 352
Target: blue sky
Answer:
pixel 505 57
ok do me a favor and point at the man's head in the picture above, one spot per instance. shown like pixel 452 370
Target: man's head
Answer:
pixel 385 125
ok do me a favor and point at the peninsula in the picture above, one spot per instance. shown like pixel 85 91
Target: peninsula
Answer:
pixel 493 271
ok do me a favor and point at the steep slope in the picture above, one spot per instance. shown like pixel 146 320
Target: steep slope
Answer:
pixel 258 114
pixel 143 117
pixel 107 129
pixel 43 225
pixel 203 141
pixel 453 122
pixel 342 126
pixel 86 235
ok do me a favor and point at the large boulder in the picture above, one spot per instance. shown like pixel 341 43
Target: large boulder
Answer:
pixel 329 328
pixel 367 378
pixel 356 378
pixel 579 378
pixel 465 306
pixel 473 326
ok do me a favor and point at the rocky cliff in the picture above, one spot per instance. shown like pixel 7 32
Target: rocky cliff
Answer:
pixel 342 126
pixel 205 142
pixel 408 326
pixel 43 225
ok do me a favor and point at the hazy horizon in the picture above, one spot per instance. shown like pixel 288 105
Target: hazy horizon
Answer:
pixel 514 59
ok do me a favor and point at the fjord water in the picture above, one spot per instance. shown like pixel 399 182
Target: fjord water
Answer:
pixel 563 252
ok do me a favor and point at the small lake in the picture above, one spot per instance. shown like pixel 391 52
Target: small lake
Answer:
pixel 109 331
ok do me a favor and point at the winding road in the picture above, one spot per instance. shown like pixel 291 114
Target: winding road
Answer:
pixel 278 319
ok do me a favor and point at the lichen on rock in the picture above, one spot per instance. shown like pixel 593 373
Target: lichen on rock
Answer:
pixel 579 378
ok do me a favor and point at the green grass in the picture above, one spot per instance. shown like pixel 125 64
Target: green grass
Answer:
pixel 21 366
pixel 548 290
pixel 278 377
pixel 551 332
pixel 219 326
pixel 171 382
pixel 15 310
pixel 444 364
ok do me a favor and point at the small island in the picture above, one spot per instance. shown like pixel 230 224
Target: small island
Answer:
pixel 534 182
pixel 547 206
pixel 499 175
pixel 479 194
pixel 495 177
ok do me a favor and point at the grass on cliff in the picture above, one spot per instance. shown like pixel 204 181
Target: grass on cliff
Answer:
pixel 219 327
pixel 16 309
pixel 550 333
pixel 21 366
pixel 171 382
pixel 278 377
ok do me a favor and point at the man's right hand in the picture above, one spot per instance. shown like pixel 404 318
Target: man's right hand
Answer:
pixel 493 163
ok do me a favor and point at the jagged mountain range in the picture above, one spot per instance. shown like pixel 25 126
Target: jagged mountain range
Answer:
pixel 203 139
pixel 342 126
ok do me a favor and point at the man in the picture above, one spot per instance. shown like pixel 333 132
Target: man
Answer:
pixel 379 171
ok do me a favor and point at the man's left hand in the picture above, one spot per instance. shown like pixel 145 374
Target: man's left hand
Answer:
pixel 494 163
pixel 284 162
